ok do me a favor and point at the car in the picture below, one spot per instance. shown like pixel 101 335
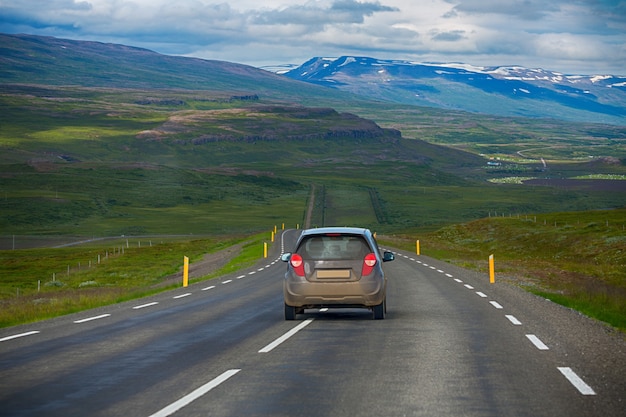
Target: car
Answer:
pixel 335 267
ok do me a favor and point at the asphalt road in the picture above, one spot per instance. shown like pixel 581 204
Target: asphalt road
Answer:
pixel 451 345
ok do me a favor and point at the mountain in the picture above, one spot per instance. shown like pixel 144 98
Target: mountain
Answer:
pixel 43 60
pixel 503 91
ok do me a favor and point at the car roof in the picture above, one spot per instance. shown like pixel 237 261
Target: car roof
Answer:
pixel 342 230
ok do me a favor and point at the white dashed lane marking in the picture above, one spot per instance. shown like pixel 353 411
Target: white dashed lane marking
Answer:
pixel 537 342
pixel 286 336
pixel 576 381
pixel 92 318
pixel 513 320
pixel 189 398
pixel 145 305
pixel 15 336
pixel 182 296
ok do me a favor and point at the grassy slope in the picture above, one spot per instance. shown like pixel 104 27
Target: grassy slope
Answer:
pixel 575 258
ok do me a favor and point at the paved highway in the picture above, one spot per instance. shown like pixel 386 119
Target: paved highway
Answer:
pixel 452 345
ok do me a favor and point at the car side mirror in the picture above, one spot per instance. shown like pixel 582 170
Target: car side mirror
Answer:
pixel 388 256
pixel 285 257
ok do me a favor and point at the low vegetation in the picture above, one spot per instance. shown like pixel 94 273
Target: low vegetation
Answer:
pixel 577 259
pixel 43 283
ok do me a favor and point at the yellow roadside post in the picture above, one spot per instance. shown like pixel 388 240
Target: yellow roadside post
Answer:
pixel 265 249
pixel 417 247
pixel 492 275
pixel 185 271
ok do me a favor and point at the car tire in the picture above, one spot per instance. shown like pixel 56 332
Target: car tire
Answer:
pixel 290 312
pixel 379 311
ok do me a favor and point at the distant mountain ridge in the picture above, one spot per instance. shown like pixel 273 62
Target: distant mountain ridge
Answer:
pixel 503 91
pixel 500 91
pixel 45 60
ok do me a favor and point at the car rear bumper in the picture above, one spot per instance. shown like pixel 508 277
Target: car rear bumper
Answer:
pixel 365 293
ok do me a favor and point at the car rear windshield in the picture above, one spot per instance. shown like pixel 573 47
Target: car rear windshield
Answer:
pixel 335 246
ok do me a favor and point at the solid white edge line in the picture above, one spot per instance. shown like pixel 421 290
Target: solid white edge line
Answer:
pixel 286 336
pixel 576 381
pixel 189 398
pixel 537 342
pixel 15 336
pixel 145 305
pixel 91 318
pixel 513 320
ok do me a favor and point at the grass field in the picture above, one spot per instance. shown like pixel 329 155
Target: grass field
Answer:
pixel 577 259
pixel 47 282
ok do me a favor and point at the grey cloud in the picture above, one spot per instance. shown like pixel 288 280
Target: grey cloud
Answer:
pixel 342 11
pixel 449 36
pixel 523 9
pixel 366 9
pixel 55 13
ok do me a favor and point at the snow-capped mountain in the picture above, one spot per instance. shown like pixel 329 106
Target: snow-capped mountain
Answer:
pixel 505 90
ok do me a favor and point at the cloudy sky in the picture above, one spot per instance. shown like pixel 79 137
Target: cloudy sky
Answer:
pixel 570 36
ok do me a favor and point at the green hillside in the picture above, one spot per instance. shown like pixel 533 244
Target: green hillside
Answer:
pixel 101 139
pixel 87 161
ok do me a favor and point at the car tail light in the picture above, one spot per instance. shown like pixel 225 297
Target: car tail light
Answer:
pixel 297 264
pixel 368 264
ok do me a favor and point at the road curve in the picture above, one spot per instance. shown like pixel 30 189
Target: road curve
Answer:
pixel 452 345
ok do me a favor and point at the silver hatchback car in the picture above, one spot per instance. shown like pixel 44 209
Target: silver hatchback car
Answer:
pixel 335 267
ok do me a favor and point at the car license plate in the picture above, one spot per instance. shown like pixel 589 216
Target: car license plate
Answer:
pixel 333 273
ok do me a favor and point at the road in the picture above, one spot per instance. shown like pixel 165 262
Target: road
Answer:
pixel 451 345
